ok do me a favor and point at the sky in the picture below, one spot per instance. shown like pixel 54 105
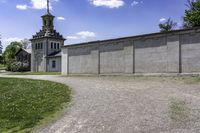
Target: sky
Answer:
pixel 87 20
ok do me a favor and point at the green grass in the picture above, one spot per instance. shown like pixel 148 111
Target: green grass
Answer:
pixel 2 67
pixel 191 80
pixel 35 73
pixel 178 111
pixel 25 104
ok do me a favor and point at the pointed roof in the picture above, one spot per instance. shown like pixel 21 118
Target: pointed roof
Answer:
pixel 48 10
pixel 48 7
pixel 48 30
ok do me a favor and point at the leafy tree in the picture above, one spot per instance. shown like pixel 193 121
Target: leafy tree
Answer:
pixel 11 50
pixel 1 47
pixel 167 26
pixel 192 14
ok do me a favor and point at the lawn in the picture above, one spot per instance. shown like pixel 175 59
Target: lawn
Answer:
pixel 35 73
pixel 2 67
pixel 25 104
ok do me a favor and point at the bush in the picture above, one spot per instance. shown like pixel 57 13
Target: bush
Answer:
pixel 18 67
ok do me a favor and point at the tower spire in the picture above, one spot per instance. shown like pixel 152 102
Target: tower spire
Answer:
pixel 48 6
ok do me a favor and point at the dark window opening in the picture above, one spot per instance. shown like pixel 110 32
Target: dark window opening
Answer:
pixel 41 45
pixel 45 22
pixel 54 45
pixel 58 46
pixel 54 64
pixel 51 45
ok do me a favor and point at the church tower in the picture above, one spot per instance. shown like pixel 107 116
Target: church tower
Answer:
pixel 46 46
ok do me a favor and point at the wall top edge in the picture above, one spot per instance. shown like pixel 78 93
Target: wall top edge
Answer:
pixel 144 36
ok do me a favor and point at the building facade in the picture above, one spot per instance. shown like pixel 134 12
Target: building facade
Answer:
pixel 171 52
pixel 46 46
pixel 24 56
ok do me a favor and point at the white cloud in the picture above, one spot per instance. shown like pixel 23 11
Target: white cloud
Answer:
pixel 12 39
pixel 22 7
pixel 72 37
pixel 7 41
pixel 39 4
pixel 162 19
pixel 108 3
pixel 82 35
pixel 60 18
pixel 36 4
pixel 134 3
pixel 86 34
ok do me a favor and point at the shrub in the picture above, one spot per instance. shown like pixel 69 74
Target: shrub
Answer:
pixel 18 67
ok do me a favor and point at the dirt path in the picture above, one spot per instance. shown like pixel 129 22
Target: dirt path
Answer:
pixel 128 105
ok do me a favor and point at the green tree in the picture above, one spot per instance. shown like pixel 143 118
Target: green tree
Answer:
pixel 169 25
pixel 192 14
pixel 10 51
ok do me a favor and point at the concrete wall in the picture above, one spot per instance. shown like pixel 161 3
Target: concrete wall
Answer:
pixel 190 52
pixel 58 64
pixel 173 52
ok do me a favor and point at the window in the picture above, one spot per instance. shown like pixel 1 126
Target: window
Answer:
pixel 58 46
pixel 45 22
pixel 53 64
pixel 54 45
pixel 51 45
pixel 41 45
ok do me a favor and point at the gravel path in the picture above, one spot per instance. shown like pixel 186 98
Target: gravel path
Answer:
pixel 128 105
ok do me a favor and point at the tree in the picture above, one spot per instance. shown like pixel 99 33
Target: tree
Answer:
pixel 169 25
pixel 1 47
pixel 25 44
pixel 192 14
pixel 10 51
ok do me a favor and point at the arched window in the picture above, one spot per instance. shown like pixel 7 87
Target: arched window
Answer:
pixel 58 45
pixel 51 45
pixel 45 23
pixel 41 45
pixel 54 45
pixel 53 64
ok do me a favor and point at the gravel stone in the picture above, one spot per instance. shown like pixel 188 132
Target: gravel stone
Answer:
pixel 125 105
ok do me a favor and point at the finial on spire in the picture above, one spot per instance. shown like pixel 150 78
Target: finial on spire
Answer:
pixel 48 6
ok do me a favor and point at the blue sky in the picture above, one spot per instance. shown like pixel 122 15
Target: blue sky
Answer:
pixel 87 20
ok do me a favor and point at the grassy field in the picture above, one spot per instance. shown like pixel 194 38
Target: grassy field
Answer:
pixel 2 67
pixel 25 104
pixel 35 73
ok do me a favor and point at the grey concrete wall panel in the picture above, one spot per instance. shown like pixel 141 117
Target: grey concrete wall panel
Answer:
pixel 190 47
pixel 112 58
pixel 64 61
pixel 151 59
pixel 129 57
pixel 173 54
pixel 83 60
